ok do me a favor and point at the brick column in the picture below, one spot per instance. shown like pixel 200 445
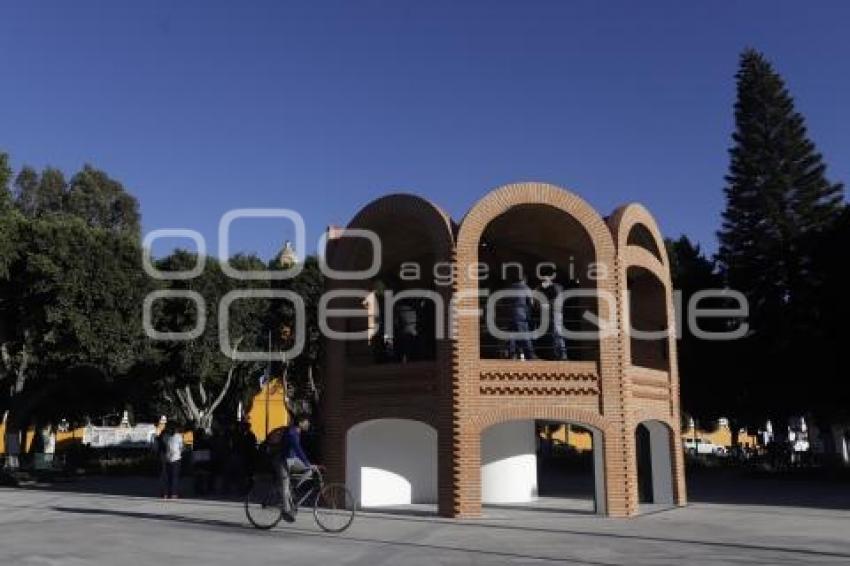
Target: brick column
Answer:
pixel 333 444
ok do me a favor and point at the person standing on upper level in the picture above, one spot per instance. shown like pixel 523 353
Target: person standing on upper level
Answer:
pixel 521 304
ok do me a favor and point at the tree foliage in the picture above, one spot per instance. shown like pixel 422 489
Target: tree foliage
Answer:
pixel 779 203
pixel 700 367
pixel 303 375
pixel 71 294
pixel 102 202
pixel 92 196
pixel 70 306
pixel 196 375
pixel 41 195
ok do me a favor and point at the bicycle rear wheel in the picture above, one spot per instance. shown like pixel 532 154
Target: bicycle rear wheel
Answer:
pixel 334 508
pixel 264 505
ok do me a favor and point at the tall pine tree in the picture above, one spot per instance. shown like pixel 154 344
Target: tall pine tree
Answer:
pixel 778 201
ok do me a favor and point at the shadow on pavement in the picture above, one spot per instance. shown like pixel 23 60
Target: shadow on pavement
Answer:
pixel 816 489
pixel 603 535
pixel 125 486
pixel 303 532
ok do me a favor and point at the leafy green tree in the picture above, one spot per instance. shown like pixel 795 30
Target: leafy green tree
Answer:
pixel 39 195
pixel 777 200
pixel 828 389
pixel 777 192
pixel 7 237
pixel 71 310
pixel 196 376
pixel 26 189
pixel 102 202
pixel 704 395
pixel 302 373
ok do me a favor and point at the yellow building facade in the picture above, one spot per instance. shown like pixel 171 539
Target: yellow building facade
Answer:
pixel 565 434
pixel 721 436
pixel 268 410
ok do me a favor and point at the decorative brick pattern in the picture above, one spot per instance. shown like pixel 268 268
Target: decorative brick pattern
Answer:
pixel 552 390
pixel 460 394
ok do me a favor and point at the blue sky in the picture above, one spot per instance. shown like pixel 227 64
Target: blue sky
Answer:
pixel 201 107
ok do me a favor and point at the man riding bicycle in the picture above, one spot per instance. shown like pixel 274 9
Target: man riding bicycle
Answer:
pixel 286 443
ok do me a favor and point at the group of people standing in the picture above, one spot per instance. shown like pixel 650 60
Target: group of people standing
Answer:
pixel 221 462
pixel 522 305
pixel 411 337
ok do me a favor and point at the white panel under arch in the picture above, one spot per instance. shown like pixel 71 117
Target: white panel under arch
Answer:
pixel 392 462
pixel 509 463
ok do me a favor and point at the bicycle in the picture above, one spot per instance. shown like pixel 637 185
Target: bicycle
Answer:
pixel 333 505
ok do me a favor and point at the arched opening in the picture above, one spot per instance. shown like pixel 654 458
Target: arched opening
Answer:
pixel 641 237
pixel 398 308
pixel 392 462
pixel 553 253
pixel 653 445
pixel 543 464
pixel 648 320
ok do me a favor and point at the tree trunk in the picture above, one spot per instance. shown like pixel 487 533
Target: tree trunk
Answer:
pixel 16 412
pixel 201 415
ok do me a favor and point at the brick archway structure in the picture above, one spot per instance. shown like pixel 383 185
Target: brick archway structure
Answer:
pixel 461 394
pixel 654 394
pixel 419 391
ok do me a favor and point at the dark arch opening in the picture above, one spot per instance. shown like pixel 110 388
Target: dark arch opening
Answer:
pixel 648 320
pixel 401 329
pixel 653 445
pixel 534 241
pixel 641 237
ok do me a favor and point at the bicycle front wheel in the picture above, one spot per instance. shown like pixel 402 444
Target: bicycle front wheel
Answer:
pixel 334 508
pixel 264 506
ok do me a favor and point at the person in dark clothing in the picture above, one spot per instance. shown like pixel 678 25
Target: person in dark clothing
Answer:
pixel 219 451
pixel 201 462
pixel 407 317
pixel 521 305
pixel 551 290
pixel 172 453
pixel 427 330
pixel 233 472
pixel 292 460
pixel 247 447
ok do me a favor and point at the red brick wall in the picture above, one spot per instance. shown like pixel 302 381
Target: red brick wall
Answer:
pixel 460 394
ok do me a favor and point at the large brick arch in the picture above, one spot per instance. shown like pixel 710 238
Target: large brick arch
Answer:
pixel 633 256
pixel 603 431
pixel 621 222
pixel 393 212
pixel 412 412
pixel 640 415
pixel 626 217
pixel 610 418
pixel 488 418
pixel 504 198
pixel 438 225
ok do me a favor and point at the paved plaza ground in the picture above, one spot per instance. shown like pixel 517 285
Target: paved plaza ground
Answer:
pixel 777 523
